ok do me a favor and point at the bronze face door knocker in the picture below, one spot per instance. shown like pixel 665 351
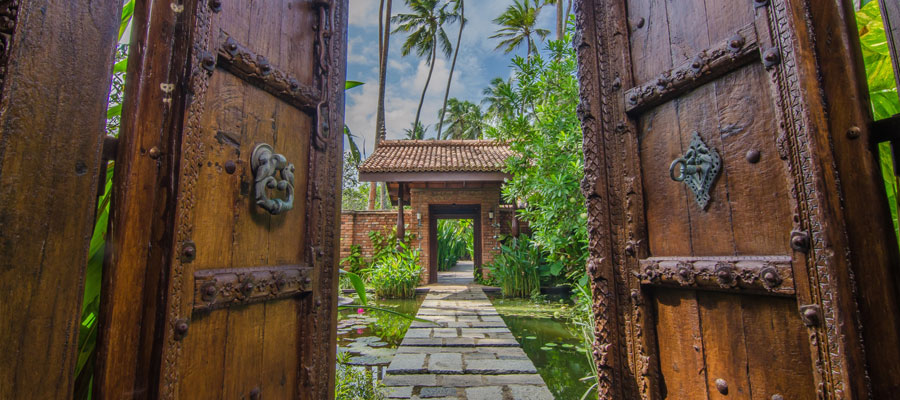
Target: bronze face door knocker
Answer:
pixel 266 163
pixel 698 169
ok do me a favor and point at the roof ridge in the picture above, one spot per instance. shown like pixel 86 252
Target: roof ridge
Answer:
pixel 441 143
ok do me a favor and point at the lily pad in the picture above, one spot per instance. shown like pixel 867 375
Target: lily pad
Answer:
pixel 567 346
pixel 550 344
pixel 530 337
pixel 545 348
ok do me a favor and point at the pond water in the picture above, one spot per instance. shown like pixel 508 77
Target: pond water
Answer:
pixel 551 342
pixel 372 337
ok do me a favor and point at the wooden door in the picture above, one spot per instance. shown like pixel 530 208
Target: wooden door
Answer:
pixel 727 173
pixel 55 64
pixel 216 288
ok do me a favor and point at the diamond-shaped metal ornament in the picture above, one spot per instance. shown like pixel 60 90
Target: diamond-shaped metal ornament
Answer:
pixel 698 169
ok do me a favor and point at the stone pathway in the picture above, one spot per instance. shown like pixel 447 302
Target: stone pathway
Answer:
pixel 468 354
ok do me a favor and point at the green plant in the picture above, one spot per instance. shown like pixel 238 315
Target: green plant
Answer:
pixel 397 274
pixel 355 263
pixel 535 114
pixel 355 383
pixel 90 306
pixel 882 91
pixel 583 318
pixel 516 268
pixel 455 241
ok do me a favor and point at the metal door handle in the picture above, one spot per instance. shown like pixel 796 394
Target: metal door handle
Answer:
pixel 265 164
pixel 698 169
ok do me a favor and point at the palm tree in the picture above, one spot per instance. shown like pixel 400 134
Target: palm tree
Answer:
pixel 465 119
pixel 416 134
pixel 500 98
pixel 518 25
pixel 384 39
pixel 425 28
pixel 459 9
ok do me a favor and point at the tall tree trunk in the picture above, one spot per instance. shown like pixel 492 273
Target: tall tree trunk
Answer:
pixel 384 40
pixel 528 42
pixel 382 73
pixel 425 89
pixel 462 23
pixel 566 18
pixel 560 29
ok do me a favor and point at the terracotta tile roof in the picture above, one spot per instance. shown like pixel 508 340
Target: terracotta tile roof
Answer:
pixel 437 156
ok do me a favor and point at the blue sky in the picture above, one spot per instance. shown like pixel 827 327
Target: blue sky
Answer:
pixel 476 65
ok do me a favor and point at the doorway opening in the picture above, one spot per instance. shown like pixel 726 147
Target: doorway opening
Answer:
pixel 450 217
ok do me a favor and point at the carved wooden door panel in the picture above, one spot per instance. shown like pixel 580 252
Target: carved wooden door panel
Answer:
pixel 245 302
pixel 714 231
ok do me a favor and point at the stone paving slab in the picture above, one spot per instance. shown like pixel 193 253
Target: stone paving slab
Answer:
pixel 466 353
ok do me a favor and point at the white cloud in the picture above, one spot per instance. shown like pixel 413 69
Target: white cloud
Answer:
pixel 364 13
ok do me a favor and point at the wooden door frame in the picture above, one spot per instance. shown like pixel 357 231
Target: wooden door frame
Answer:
pixel 452 211
pixel 845 272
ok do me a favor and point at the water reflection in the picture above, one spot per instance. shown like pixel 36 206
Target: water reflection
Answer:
pixel 372 337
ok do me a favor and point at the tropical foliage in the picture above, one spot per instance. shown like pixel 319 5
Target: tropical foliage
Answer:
pixel 417 133
pixel 518 25
pixel 517 268
pixel 882 90
pixel 354 383
pixel 548 168
pixel 426 35
pixel 396 275
pixel 455 241
pixel 465 120
pixel 459 9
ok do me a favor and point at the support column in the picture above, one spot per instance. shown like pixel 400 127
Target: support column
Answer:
pixel 401 227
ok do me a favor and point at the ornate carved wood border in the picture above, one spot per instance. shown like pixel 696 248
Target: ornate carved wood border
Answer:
pixel 797 144
pixel 719 59
pixel 192 154
pixel 771 275
pixel 624 337
pixel 255 69
pixel 219 288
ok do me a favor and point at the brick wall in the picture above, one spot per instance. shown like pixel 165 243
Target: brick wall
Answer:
pixel 356 225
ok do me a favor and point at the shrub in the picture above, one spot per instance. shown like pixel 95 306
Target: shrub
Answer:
pixel 455 241
pixel 355 263
pixel 517 268
pixel 354 383
pixel 396 274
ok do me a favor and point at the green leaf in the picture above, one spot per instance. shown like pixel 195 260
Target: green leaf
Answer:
pixel 121 67
pixel 352 84
pixel 127 13
pixel 384 310
pixel 358 285
pixel 114 111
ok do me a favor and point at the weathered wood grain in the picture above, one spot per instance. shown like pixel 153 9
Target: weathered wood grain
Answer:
pixel 55 62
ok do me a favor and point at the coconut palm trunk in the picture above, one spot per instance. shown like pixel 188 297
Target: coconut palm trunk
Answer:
pixel 425 89
pixel 559 20
pixel 384 40
pixel 462 24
